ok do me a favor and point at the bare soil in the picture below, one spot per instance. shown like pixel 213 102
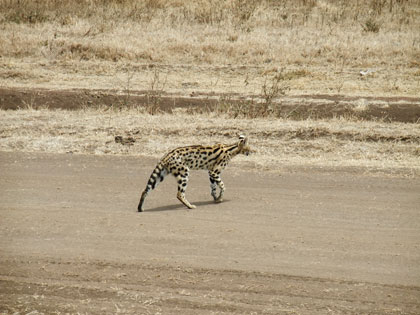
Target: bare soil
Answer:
pixel 302 242
pixel 392 108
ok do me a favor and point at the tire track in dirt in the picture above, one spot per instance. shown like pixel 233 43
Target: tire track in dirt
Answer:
pixel 129 288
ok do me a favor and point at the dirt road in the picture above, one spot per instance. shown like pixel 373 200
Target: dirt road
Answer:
pixel 303 242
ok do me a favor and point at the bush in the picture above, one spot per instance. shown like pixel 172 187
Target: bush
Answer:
pixel 371 26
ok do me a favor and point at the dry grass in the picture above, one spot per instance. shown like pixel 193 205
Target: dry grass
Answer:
pixel 279 143
pixel 266 48
pixel 222 46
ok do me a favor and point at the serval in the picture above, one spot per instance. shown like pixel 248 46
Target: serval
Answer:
pixel 181 160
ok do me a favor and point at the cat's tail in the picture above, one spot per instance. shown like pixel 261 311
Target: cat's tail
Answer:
pixel 157 176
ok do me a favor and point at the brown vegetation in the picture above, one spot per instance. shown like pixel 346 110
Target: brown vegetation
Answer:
pixel 279 143
pixel 244 56
pixel 223 46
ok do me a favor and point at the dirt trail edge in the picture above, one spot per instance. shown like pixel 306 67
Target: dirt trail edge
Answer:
pixel 297 243
pixel 395 109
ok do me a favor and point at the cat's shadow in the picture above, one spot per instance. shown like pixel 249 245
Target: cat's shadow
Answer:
pixel 177 207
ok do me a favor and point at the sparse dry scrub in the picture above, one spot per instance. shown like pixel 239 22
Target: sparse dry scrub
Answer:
pixel 212 45
pixel 392 148
pixel 259 50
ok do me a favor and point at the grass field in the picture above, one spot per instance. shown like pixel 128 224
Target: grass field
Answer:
pixel 266 50
pixel 215 46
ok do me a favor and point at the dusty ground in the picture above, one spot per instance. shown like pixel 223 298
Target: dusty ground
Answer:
pixel 295 243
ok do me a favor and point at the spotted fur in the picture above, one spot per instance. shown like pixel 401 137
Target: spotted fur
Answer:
pixel 181 160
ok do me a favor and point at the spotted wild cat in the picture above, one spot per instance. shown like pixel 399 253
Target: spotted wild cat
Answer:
pixel 181 160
